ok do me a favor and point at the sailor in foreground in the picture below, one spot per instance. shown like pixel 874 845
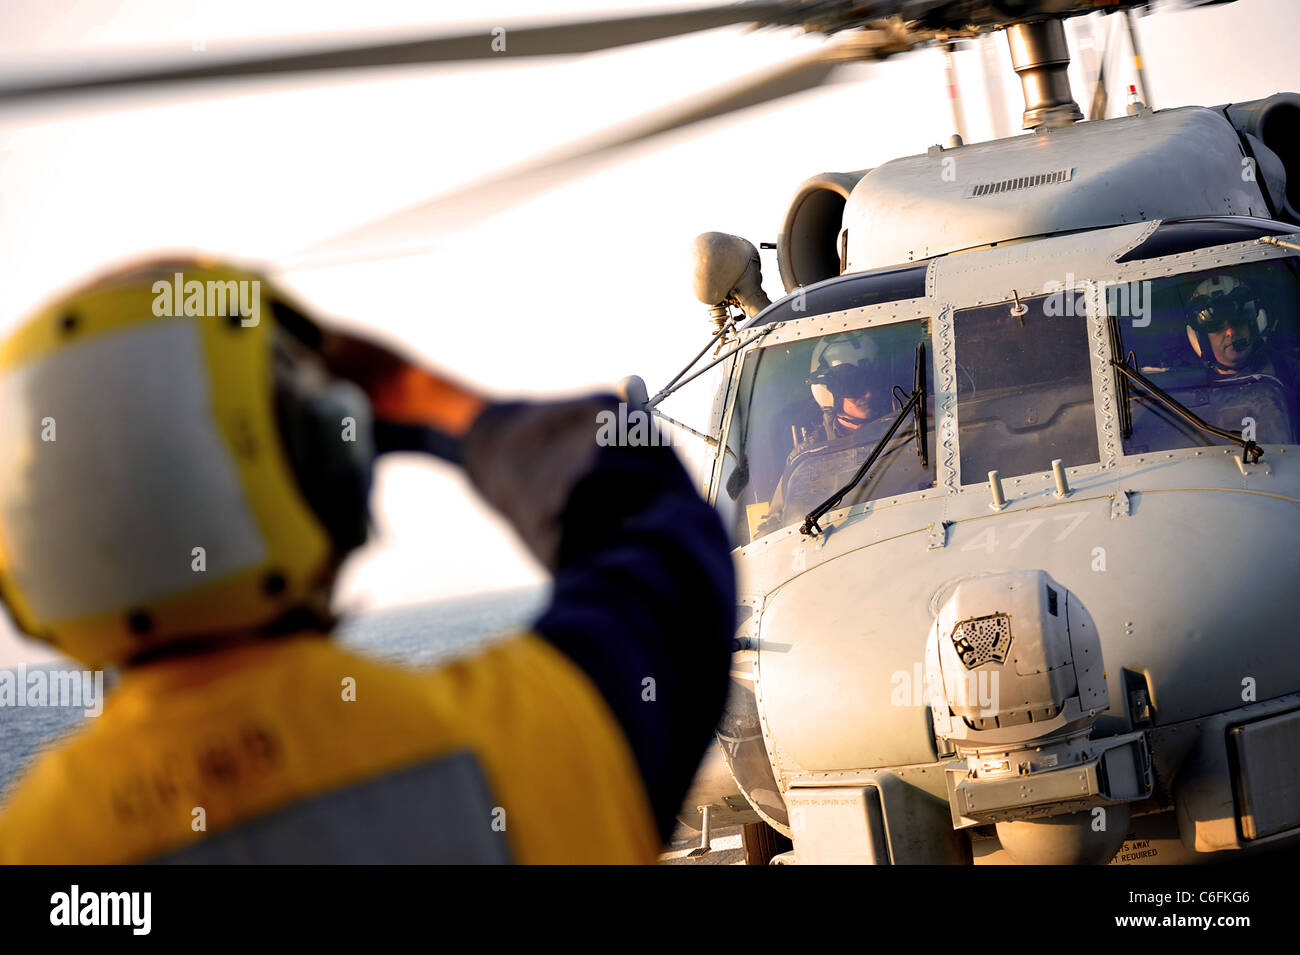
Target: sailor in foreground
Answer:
pixel 176 496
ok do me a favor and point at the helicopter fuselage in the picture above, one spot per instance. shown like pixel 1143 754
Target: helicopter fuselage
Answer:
pixel 1172 545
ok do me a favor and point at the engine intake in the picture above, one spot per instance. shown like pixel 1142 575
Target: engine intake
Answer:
pixel 1274 123
pixel 809 248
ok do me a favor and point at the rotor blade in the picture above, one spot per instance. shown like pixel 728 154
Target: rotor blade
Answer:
pixel 1143 91
pixel 1085 40
pixel 558 39
pixel 954 93
pixel 1100 96
pixel 421 225
pixel 992 68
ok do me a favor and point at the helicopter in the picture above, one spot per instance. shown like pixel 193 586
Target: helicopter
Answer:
pixel 997 467
pixel 933 666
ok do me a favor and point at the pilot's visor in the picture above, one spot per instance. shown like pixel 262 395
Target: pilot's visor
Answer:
pixel 839 381
pixel 1217 312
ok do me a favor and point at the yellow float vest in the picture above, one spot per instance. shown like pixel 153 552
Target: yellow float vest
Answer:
pixel 296 750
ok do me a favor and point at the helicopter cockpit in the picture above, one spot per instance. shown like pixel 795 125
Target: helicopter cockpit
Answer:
pixel 1222 345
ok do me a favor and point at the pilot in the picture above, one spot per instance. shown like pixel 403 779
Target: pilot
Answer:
pixel 840 378
pixel 841 382
pixel 176 497
pixel 1225 326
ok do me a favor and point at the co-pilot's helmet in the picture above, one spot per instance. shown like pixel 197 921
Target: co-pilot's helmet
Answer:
pixel 176 464
pixel 1226 322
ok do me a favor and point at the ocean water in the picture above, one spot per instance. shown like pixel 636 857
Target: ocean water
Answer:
pixel 419 635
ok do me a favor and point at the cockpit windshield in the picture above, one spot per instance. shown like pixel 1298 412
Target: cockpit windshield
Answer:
pixel 1221 346
pixel 1224 343
pixel 807 416
pixel 1024 386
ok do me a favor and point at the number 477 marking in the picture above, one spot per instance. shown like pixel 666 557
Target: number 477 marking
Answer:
pixel 987 539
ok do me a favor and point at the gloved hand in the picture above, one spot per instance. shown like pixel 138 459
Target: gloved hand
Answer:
pixel 415 409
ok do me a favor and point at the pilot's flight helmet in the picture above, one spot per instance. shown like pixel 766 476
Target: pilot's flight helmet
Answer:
pixel 1218 302
pixel 176 464
pixel 841 367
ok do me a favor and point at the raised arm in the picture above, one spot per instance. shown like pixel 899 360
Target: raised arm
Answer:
pixel 644 592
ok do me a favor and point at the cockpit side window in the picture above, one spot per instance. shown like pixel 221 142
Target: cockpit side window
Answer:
pixel 843 292
pixel 807 416
pixel 1024 386
pixel 1224 343
pixel 1186 235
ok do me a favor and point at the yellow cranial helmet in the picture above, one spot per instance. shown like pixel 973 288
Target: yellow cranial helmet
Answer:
pixel 175 463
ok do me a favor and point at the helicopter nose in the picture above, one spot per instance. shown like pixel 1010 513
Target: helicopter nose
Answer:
pixel 1016 665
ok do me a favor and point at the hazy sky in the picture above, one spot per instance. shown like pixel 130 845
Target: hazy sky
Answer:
pixel 572 290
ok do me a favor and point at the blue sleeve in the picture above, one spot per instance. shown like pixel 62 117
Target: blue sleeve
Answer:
pixel 644 591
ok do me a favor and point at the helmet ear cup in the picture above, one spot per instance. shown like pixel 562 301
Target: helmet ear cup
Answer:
pixel 327 427
pixel 340 492
pixel 1194 339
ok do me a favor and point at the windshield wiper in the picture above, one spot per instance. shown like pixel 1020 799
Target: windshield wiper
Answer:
pixel 1121 383
pixel 914 405
pixel 918 389
pixel 1250 451
pixel 919 410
